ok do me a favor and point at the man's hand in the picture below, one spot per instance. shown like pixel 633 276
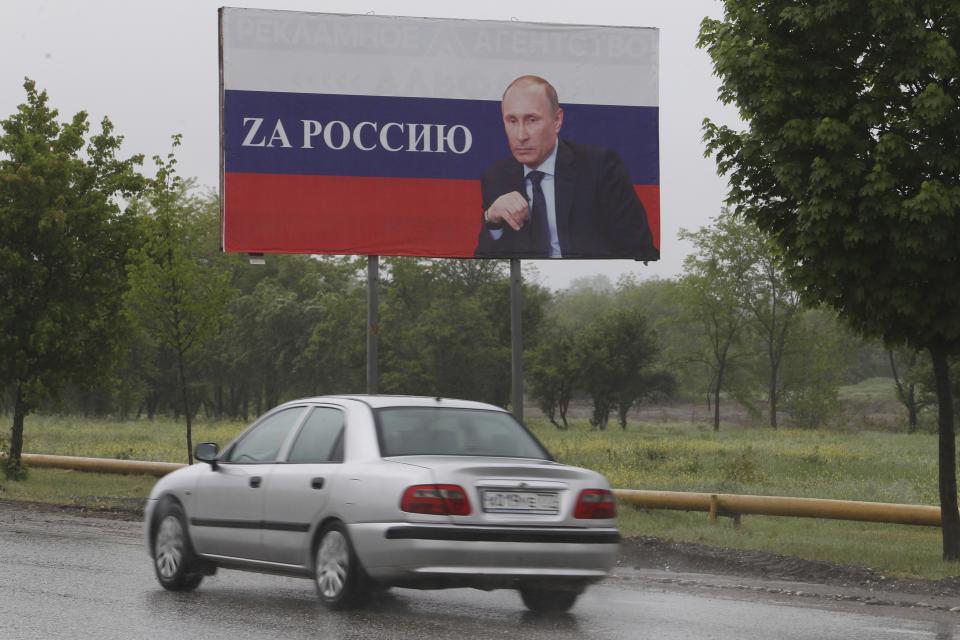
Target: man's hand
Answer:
pixel 511 208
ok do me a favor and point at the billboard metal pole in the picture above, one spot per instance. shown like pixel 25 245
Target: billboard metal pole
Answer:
pixel 373 324
pixel 516 338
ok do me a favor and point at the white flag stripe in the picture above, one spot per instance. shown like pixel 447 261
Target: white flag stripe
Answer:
pixel 295 52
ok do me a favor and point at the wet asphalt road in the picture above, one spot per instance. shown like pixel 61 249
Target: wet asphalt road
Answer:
pixel 63 576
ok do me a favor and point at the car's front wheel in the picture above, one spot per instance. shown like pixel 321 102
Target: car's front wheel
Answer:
pixel 173 559
pixel 540 599
pixel 338 575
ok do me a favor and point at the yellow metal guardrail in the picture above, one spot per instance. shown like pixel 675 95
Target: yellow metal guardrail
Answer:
pixel 713 504
pixel 737 505
pixel 101 465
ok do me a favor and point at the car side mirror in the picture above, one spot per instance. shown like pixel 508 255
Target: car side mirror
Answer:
pixel 208 452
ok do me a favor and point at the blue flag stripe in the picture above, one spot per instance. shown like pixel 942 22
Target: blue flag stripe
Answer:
pixel 379 136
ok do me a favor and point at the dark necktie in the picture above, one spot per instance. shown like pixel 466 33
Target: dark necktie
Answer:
pixel 538 217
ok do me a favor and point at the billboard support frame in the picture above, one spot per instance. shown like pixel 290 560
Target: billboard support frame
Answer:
pixel 373 325
pixel 516 338
pixel 288 188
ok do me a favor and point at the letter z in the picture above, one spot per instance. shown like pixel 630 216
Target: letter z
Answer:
pixel 248 141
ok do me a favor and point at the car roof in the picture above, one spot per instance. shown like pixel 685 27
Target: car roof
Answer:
pixel 381 401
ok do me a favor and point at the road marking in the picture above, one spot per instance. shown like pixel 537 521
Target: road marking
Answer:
pixel 932 634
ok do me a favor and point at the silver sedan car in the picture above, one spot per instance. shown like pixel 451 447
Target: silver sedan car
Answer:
pixel 360 493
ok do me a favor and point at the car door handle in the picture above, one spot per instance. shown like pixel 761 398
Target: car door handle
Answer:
pixel 255 482
pixel 317 483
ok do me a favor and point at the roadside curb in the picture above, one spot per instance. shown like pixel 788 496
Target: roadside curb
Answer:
pixel 81 511
pixel 848 594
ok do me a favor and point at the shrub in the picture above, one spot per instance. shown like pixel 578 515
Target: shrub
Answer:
pixel 744 469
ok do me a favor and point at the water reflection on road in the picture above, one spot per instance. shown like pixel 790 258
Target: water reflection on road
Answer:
pixel 63 577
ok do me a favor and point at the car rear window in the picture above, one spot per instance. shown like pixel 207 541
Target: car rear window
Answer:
pixel 409 431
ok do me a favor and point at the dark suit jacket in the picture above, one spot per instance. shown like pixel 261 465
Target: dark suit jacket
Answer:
pixel 598 212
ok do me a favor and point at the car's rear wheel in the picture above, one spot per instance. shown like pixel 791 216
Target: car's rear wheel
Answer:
pixel 338 575
pixel 173 558
pixel 541 599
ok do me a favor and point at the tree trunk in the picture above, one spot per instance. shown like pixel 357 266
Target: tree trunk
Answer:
pixel 14 466
pixel 152 406
pixel 716 401
pixel 601 413
pixel 551 414
pixel 906 394
pixel 564 405
pixel 950 518
pixel 716 408
pixel 912 410
pixel 773 400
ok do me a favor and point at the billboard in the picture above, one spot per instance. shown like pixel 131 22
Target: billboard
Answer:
pixel 375 135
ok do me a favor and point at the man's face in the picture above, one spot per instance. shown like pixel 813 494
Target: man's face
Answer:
pixel 531 125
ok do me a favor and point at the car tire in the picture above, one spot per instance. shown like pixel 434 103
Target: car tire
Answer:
pixel 338 576
pixel 550 599
pixel 173 559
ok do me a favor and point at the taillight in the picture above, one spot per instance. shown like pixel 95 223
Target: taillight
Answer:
pixel 436 499
pixel 595 504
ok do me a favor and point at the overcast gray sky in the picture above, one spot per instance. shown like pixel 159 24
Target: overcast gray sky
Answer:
pixel 152 68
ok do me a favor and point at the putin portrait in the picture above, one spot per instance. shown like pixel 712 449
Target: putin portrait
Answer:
pixel 554 198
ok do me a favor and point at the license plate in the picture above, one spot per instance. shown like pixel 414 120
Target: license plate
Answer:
pixel 545 502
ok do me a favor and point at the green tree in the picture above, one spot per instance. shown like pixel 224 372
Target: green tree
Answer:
pixel 334 360
pixel 64 237
pixel 662 301
pixel 850 161
pixel 644 386
pixel 658 299
pixel 300 329
pixel 553 371
pixel 586 298
pixel 616 352
pixel 925 378
pixel 813 369
pixel 712 290
pixel 295 327
pixel 910 392
pixel 446 328
pixel 554 366
pixel 772 305
pixel 176 296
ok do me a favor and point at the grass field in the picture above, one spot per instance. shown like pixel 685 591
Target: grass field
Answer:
pixel 874 466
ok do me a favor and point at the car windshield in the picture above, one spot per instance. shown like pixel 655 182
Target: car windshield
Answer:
pixel 409 431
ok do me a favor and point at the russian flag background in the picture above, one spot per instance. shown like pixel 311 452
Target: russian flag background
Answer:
pixel 366 191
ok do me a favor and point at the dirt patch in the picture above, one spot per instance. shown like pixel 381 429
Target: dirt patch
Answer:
pixel 133 514
pixel 654 553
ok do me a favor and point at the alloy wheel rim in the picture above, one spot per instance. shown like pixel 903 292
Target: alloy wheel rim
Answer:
pixel 333 563
pixel 169 547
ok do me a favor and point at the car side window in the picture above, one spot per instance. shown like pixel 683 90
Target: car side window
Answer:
pixel 320 439
pixel 264 442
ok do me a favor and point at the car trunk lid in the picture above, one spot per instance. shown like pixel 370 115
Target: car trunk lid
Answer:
pixel 511 491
